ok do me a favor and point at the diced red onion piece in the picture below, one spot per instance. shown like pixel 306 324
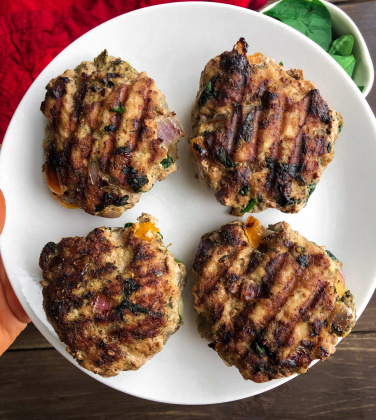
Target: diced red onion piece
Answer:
pixel 101 304
pixel 343 276
pixel 93 170
pixel 169 130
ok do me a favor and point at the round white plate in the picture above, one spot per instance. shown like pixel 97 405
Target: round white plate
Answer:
pixel 173 43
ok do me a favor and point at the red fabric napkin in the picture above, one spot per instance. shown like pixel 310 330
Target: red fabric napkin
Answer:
pixel 33 32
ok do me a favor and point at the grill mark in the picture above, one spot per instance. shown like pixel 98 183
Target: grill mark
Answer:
pixel 115 120
pixel 202 257
pixel 57 91
pixel 318 107
pixel 297 155
pixel 304 312
pixel 236 65
pixel 94 192
pixel 134 137
pixel 79 101
pixel 273 267
pixel 283 295
pixel 231 138
pixel 267 112
pixel 211 285
pixel 249 146
pixel 118 163
pixel 258 138
pixel 74 143
pixel 277 145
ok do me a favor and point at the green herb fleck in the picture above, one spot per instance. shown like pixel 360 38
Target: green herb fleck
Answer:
pixel 224 158
pixel 311 188
pixel 178 261
pixel 129 286
pixel 301 179
pixel 244 190
pixel 361 88
pixel 303 261
pixel 110 128
pixel 120 108
pixel 249 207
pixel 167 162
pixel 127 225
pixel 281 63
pixel 208 93
pixel 247 128
pixel 135 308
pixel 205 133
pixel 122 150
pixel 331 255
pixel 159 233
pixel 260 349
pixel 170 303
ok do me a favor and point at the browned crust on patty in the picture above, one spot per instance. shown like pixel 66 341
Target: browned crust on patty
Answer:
pixel 261 134
pixel 271 311
pixel 106 137
pixel 112 297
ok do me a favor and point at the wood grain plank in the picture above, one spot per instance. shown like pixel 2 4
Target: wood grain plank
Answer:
pixel 30 338
pixel 42 384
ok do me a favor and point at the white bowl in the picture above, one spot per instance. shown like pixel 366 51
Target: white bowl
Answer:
pixel 342 25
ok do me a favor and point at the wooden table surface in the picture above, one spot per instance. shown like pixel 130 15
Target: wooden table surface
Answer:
pixel 37 382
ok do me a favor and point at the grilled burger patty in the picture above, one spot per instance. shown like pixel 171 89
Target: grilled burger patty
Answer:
pixel 113 297
pixel 262 136
pixel 268 300
pixel 110 136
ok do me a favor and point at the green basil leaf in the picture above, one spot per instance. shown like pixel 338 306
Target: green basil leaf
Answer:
pixel 342 46
pixel 361 88
pixel 347 63
pixel 310 17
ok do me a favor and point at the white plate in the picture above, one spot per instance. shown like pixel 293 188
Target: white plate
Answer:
pixel 173 43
